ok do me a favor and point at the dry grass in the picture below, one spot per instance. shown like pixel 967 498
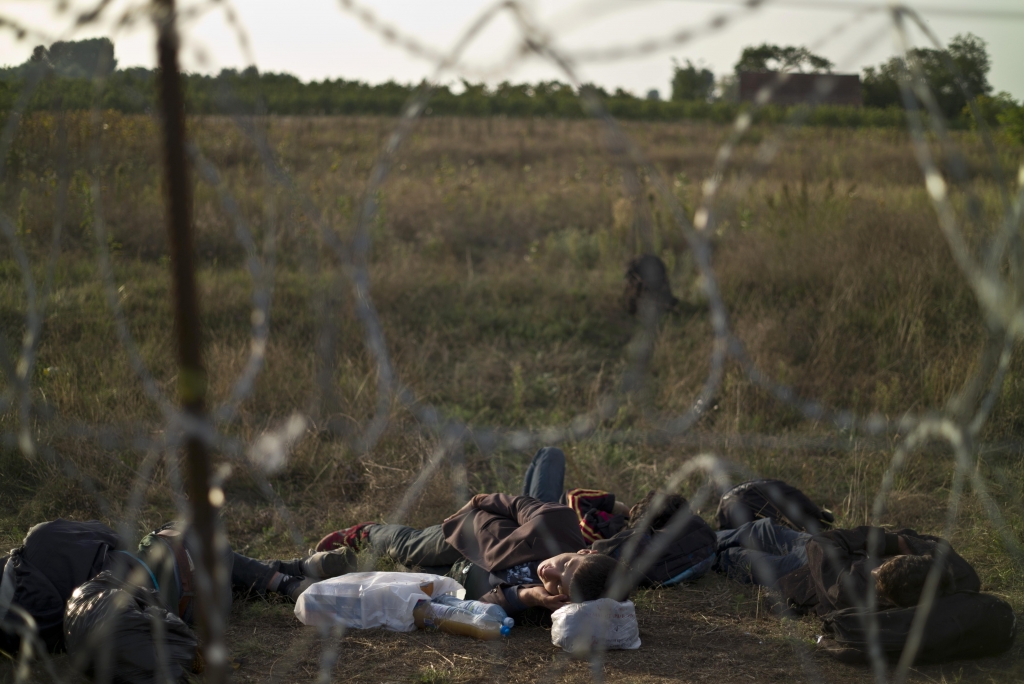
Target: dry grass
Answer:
pixel 496 269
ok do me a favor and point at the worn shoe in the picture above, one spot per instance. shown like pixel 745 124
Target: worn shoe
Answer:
pixel 322 565
pixel 350 537
pixel 292 587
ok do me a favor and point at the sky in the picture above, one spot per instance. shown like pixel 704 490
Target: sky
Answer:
pixel 316 39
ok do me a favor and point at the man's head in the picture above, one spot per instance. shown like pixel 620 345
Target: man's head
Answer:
pixel 582 576
pixel 901 579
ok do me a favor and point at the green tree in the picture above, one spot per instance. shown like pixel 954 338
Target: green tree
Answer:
pixel 970 55
pixel 79 58
pixel 967 52
pixel 989 108
pixel 767 57
pixel 1012 121
pixel 692 83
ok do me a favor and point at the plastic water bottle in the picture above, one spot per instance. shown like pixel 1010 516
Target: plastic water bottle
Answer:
pixel 458 620
pixel 477 608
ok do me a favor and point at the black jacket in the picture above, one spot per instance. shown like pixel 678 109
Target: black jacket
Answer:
pixel 685 553
pixel 55 558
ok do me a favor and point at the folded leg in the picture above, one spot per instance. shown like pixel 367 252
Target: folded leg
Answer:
pixel 412 547
pixel 545 478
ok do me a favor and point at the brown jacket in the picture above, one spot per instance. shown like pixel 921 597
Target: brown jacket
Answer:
pixel 839 564
pixel 498 531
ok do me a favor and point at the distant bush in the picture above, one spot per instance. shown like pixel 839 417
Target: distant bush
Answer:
pixel 1012 121
pixel 132 91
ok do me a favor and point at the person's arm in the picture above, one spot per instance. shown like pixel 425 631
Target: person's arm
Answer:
pixel 516 599
pixel 863 540
pixel 522 509
pixel 834 559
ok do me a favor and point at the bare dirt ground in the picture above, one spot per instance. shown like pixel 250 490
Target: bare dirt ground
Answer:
pixel 711 631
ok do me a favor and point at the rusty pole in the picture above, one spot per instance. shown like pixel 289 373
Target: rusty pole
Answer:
pixel 191 374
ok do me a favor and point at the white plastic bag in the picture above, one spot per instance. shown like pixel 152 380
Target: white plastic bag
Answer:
pixel 364 600
pixel 604 624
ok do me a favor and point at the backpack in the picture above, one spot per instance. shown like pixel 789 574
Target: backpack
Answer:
pixel 41 574
pixel 687 556
pixel 783 503
pixel 961 625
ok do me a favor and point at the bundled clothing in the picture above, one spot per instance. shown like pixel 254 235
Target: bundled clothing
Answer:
pixel 595 509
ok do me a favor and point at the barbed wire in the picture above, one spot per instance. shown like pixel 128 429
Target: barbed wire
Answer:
pixel 998 295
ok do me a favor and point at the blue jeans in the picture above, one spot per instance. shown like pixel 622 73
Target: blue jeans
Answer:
pixel 545 478
pixel 761 552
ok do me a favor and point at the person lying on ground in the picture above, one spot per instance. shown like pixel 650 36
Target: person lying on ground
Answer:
pixel 835 569
pixel 514 551
pixel 169 553
pixel 611 527
pixel 58 556
pixel 518 552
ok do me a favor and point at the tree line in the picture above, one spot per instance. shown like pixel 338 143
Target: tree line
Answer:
pixel 83 74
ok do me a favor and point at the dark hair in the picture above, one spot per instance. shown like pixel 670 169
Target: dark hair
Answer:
pixel 670 505
pixel 591 577
pixel 901 579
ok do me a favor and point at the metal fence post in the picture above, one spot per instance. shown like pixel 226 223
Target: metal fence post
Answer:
pixel 192 379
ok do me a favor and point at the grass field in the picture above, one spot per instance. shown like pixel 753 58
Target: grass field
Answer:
pixel 497 268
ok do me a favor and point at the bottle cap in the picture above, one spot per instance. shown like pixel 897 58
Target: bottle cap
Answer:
pixel 505 629
pixel 508 622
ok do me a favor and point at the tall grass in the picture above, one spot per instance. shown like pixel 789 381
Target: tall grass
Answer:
pixel 497 269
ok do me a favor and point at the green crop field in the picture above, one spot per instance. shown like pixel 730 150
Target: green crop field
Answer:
pixel 497 269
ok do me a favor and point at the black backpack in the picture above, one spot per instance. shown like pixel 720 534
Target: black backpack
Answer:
pixel 41 574
pixel 783 503
pixel 687 555
pixel 961 625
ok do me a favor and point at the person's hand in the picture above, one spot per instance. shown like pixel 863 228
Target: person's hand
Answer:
pixel 536 595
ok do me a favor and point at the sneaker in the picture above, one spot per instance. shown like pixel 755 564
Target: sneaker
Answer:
pixel 292 586
pixel 350 537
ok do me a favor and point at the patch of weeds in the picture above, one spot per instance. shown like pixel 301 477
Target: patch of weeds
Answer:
pixel 644 600
pixel 435 675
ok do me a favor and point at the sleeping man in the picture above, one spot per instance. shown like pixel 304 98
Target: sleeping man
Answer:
pixel 519 552
pixel 833 570
pixel 515 551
